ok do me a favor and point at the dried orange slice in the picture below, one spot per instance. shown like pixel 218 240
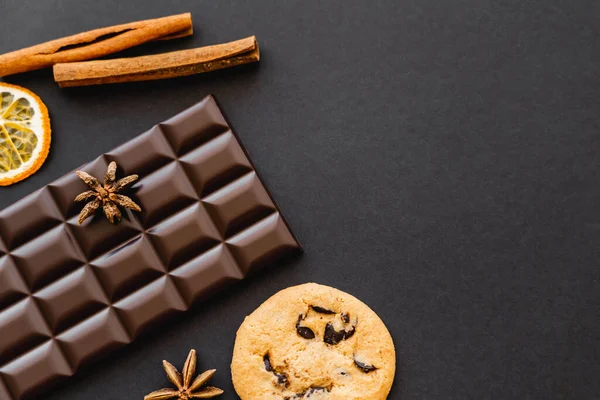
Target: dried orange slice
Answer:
pixel 24 133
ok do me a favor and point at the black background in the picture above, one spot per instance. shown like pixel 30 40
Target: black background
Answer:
pixel 437 159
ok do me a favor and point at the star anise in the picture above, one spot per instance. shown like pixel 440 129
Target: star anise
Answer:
pixel 106 195
pixel 186 389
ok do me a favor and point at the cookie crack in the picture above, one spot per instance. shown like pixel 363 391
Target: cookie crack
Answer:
pixel 282 377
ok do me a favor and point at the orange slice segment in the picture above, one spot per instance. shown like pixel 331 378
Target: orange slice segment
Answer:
pixel 24 133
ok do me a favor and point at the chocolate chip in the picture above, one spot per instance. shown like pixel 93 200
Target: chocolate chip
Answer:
pixel 322 310
pixel 282 379
pixel 346 318
pixel 332 336
pixel 267 362
pixel 303 331
pixel 366 368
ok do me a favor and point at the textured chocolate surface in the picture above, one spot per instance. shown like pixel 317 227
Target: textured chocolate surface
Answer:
pixel 70 293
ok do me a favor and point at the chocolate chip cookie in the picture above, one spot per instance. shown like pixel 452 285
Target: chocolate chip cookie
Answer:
pixel 313 342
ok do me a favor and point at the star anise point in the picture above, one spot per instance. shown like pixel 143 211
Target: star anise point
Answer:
pixel 106 195
pixel 186 387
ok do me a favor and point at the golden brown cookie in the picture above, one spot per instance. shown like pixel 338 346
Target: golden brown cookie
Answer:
pixel 313 342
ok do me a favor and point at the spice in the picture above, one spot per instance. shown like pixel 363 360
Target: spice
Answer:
pixel 186 389
pixel 106 195
pixel 159 66
pixel 96 43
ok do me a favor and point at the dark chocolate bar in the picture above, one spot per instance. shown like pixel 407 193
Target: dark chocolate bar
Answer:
pixel 71 293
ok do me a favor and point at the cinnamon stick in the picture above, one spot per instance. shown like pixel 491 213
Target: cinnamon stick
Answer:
pixel 159 66
pixel 95 43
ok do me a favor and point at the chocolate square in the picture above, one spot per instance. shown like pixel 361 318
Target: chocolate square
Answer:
pixel 28 218
pixel 163 193
pixel 70 299
pixel 149 304
pixel 262 243
pixel 202 275
pixel 97 335
pixel 186 234
pixel 44 365
pixel 194 126
pixel 22 327
pixel 128 267
pixel 142 155
pixel 240 204
pixel 12 287
pixel 47 257
pixel 215 163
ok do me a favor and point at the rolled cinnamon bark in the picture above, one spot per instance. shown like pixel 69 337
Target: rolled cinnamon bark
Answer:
pixel 95 43
pixel 159 66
